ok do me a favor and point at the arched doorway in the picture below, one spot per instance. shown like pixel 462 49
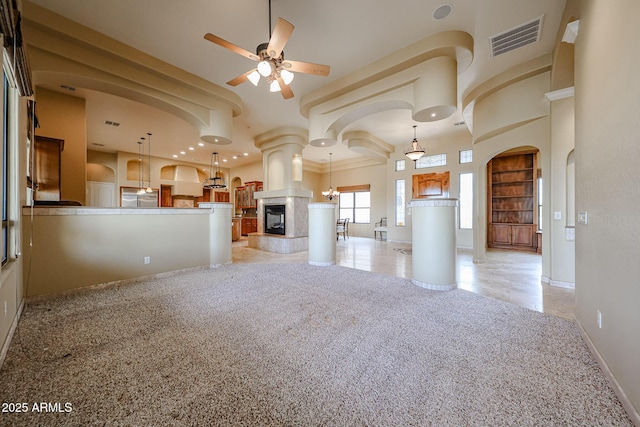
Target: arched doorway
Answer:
pixel 513 201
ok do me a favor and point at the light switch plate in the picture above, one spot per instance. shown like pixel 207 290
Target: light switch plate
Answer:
pixel 583 217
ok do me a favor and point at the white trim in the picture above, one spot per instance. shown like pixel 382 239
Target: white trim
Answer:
pixel 555 95
pixel 571 32
pixel 433 287
pixel 322 263
pixel 561 284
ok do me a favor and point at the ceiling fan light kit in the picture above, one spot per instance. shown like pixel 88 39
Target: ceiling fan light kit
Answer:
pixel 270 57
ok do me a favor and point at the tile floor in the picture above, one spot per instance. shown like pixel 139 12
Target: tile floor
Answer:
pixel 506 275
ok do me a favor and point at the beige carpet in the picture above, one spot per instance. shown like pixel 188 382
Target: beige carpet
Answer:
pixel 298 345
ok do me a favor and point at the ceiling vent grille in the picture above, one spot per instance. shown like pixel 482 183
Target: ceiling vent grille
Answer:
pixel 516 37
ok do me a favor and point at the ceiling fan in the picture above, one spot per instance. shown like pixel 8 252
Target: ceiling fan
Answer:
pixel 277 71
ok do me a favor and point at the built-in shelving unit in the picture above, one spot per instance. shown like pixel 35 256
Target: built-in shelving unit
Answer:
pixel 512 194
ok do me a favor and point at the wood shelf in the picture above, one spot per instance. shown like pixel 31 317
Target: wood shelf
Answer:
pixel 511 199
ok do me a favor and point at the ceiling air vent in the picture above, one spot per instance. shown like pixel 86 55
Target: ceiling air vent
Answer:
pixel 516 37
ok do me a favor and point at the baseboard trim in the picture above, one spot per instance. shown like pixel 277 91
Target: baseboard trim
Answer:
pixel 561 284
pixel 632 412
pixel 12 330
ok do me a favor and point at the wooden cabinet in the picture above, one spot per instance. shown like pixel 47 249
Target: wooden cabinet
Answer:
pixel 47 168
pixel 221 196
pixel 430 185
pixel 249 225
pixel 245 195
pixel 512 194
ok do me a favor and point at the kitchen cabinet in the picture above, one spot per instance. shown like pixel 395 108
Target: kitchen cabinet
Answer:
pixel 245 195
pixel 249 225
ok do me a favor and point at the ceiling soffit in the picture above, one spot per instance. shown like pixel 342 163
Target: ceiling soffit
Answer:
pixel 61 49
pixel 386 84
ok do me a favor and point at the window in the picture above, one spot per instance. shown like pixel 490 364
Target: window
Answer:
pixel 4 167
pixel 466 156
pixel 400 165
pixel 400 202
pixel 540 204
pixel 431 161
pixel 466 200
pixel 355 203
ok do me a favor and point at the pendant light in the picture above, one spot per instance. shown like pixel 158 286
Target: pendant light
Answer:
pixel 415 151
pixel 330 195
pixel 149 189
pixel 216 178
pixel 140 167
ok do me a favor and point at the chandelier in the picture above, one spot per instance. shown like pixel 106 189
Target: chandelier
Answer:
pixel 141 180
pixel 216 178
pixel 330 195
pixel 415 151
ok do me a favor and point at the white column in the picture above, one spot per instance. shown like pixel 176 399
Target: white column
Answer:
pixel 220 224
pixel 433 240
pixel 322 234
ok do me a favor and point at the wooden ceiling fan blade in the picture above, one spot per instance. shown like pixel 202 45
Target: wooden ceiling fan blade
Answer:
pixel 240 79
pixel 285 89
pixel 306 68
pixel 279 37
pixel 232 47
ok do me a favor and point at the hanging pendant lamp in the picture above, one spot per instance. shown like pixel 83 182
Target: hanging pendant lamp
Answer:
pixel 330 195
pixel 216 178
pixel 140 168
pixel 415 151
pixel 149 189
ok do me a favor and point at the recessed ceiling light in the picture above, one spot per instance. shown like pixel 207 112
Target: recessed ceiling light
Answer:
pixel 246 154
pixel 215 140
pixel 235 157
pixel 442 11
pixel 182 152
pixel 175 156
pixel 201 144
pixel 433 114
pixel 191 148
pixel 224 160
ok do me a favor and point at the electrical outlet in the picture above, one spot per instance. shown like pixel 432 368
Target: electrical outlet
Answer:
pixel 599 316
pixel 147 260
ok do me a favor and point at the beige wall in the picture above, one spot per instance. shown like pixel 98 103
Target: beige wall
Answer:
pixel 450 146
pixel 376 177
pixel 562 259
pixel 607 102
pixel 63 117
pixel 73 251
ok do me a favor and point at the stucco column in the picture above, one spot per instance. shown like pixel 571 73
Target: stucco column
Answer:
pixel 220 224
pixel 322 234
pixel 433 240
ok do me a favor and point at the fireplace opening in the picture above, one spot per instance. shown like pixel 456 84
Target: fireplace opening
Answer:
pixel 274 219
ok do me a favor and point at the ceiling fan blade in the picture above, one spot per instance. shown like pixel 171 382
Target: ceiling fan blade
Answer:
pixel 279 37
pixel 285 89
pixel 306 68
pixel 232 47
pixel 240 79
